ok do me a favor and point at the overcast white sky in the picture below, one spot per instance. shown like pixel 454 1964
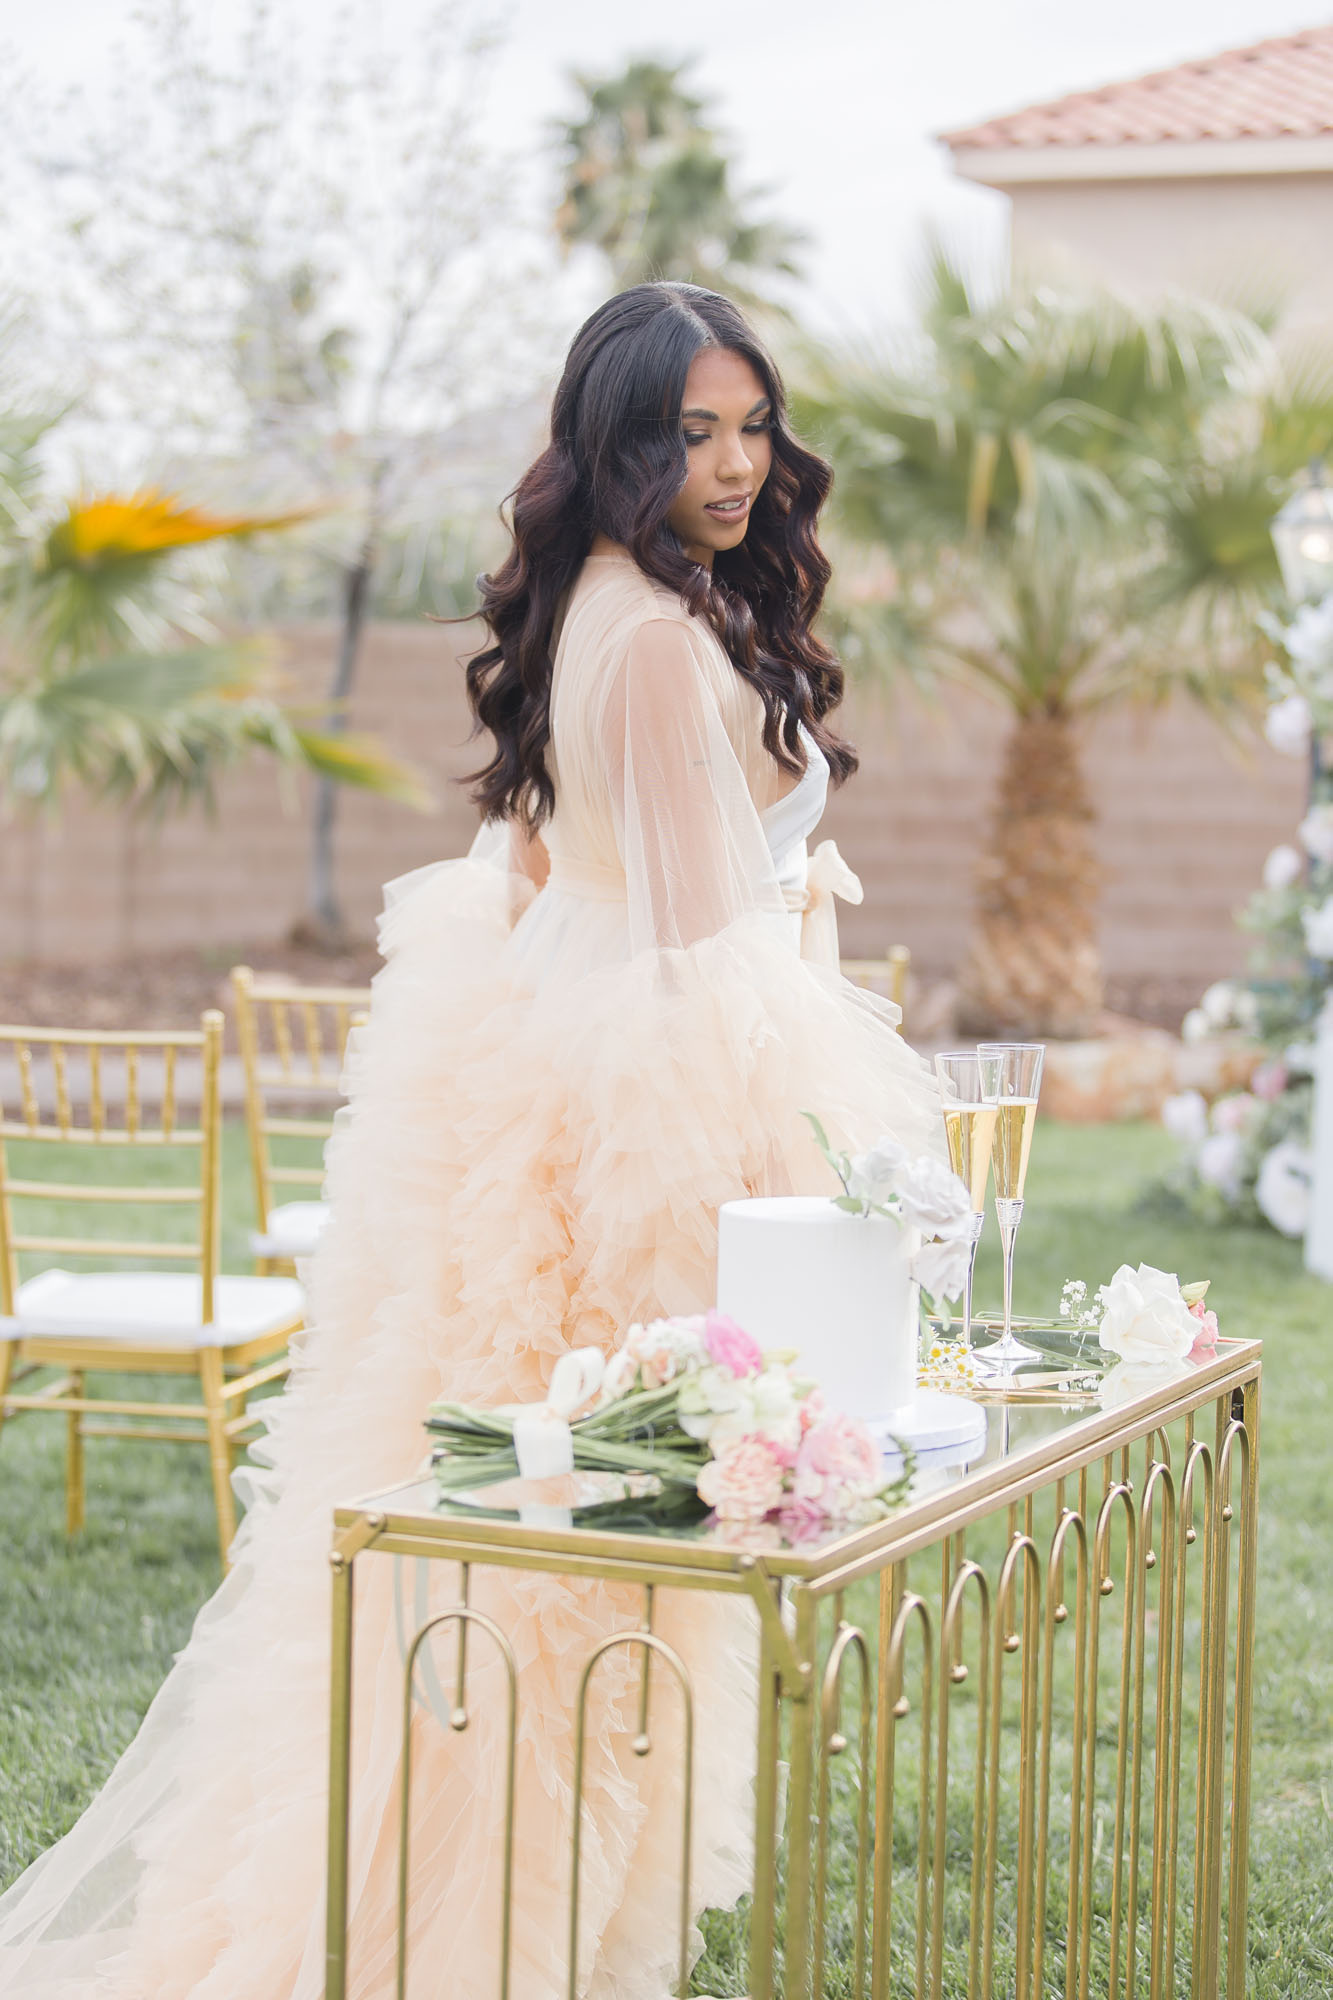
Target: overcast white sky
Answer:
pixel 831 102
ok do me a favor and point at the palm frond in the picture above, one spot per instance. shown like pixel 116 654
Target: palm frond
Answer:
pixel 109 532
pixel 1091 474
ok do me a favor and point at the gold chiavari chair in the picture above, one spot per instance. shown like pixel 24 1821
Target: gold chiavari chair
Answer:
pixel 115 1108
pixel 293 1043
pixel 887 975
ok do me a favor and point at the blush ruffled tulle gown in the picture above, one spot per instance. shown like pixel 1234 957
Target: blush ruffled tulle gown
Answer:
pixel 556 1089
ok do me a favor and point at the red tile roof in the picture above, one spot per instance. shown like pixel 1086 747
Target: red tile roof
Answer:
pixel 1280 89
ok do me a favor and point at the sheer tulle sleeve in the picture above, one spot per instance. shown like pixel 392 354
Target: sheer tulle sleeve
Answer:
pixel 690 839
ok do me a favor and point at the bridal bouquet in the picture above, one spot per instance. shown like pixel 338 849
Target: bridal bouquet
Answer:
pixel 696 1408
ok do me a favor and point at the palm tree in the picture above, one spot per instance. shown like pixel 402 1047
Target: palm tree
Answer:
pixel 647 183
pixel 111 675
pixel 1065 500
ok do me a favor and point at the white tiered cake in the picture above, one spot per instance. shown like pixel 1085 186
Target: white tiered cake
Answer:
pixel 836 1289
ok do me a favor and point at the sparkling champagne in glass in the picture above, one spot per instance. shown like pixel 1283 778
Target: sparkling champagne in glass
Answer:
pixel 1019 1086
pixel 969 1086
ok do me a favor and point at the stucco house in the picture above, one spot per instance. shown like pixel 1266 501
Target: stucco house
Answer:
pixel 1215 176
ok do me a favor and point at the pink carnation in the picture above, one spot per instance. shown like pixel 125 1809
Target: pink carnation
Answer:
pixel 744 1482
pixel 730 1346
pixel 1206 1338
pixel 836 1455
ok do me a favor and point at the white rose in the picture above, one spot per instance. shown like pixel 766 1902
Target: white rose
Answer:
pixel 775 1411
pixel 1309 637
pixel 1218 1003
pixel 1288 725
pixel 1196 1027
pixel 933 1198
pixel 941 1268
pixel 1245 1009
pixel 707 1395
pixel 1129 1380
pixel 1316 831
pixel 1283 1187
pixel 1144 1317
pixel 1283 867
pixel 874 1174
pixel 1219 1161
pixel 1318 928
pixel 1185 1117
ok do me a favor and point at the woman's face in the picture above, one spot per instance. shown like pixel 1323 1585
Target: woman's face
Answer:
pixel 725 414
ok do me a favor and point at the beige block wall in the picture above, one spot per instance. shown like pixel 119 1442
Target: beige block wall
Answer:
pixel 1185 827
pixel 1252 237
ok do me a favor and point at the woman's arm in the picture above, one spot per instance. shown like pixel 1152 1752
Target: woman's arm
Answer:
pixel 690 837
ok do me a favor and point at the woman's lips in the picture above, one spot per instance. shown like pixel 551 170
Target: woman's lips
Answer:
pixel 734 509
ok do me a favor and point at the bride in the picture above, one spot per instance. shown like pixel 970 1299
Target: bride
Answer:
pixel 588 1034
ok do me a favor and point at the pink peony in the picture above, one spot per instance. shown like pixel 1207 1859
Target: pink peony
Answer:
pixel 744 1482
pixel 802 1521
pixel 836 1455
pixel 1269 1080
pixel 1205 1340
pixel 811 1411
pixel 730 1346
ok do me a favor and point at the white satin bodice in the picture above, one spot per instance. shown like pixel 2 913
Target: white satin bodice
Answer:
pixel 789 822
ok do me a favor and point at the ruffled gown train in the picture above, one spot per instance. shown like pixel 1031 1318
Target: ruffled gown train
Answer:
pixel 557 1088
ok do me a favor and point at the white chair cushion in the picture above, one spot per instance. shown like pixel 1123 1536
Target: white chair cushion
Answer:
pixel 293 1230
pixel 153 1307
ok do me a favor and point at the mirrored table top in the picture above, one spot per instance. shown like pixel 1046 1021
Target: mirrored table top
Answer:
pixel 1024 1436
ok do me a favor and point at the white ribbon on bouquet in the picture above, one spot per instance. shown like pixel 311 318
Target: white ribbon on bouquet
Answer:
pixel 543 1441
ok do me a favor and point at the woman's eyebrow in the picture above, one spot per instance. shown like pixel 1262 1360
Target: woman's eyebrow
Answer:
pixel 712 417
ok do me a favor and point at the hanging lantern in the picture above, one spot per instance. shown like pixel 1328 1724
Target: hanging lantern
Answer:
pixel 1303 537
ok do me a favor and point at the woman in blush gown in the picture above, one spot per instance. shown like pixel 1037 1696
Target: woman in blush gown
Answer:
pixel 587 1035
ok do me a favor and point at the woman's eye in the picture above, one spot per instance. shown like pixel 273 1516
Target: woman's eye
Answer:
pixel 755 429
pixel 696 437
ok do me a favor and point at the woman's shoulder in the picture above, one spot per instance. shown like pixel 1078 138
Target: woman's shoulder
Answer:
pixel 614 575
pixel 613 600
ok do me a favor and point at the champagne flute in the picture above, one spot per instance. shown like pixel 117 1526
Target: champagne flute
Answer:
pixel 1019 1085
pixel 970 1088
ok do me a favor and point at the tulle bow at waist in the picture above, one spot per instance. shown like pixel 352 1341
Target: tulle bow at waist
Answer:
pixel 826 876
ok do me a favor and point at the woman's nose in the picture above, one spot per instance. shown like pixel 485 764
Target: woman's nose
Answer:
pixel 735 459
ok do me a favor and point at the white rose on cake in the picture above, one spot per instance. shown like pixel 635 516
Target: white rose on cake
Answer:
pixel 941 1268
pixel 933 1198
pixel 1145 1318
pixel 873 1176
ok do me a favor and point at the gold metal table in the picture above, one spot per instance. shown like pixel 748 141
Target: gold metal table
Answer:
pixel 1013 1719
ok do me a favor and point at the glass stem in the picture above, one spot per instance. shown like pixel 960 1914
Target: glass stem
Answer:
pixel 978 1223
pixel 1008 1214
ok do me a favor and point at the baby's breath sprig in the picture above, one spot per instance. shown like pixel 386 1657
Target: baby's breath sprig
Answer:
pixel 1074 1308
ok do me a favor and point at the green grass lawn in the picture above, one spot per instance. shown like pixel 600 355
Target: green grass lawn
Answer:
pixel 87 1632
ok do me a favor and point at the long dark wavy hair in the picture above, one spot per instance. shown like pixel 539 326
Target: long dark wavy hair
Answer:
pixel 615 463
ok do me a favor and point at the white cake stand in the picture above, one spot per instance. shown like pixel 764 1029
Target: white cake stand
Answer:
pixel 931 1422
